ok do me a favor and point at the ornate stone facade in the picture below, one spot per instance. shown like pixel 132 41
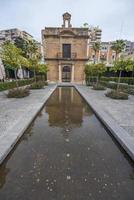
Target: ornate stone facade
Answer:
pixel 65 51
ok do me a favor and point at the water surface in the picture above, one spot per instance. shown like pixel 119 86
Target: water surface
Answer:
pixel 67 154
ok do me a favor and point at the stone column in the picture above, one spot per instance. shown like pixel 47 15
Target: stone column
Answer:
pixel 72 77
pixel 59 73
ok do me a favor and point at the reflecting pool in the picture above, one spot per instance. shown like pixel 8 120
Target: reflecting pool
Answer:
pixel 66 154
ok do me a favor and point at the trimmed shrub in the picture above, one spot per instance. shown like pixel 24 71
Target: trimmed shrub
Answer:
pixel 114 94
pixel 45 83
pixel 104 83
pixel 11 85
pixel 91 80
pixel 37 85
pixel 113 85
pixel 18 93
pixel 98 87
pixel 89 84
pixel 128 80
pixel 124 87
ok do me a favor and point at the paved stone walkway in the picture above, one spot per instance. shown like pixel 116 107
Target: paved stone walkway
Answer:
pixel 122 111
pixel 12 110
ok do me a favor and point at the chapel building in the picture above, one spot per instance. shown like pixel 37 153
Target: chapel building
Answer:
pixel 66 51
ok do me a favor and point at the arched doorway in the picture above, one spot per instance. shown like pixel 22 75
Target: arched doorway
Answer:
pixel 66 74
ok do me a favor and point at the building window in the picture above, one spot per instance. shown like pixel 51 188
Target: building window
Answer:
pixel 66 50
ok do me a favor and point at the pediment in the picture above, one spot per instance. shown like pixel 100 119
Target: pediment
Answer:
pixel 67 33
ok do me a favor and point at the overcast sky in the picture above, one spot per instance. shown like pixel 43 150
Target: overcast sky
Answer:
pixel 114 17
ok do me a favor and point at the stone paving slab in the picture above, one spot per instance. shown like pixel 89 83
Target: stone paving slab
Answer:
pixel 17 114
pixel 117 115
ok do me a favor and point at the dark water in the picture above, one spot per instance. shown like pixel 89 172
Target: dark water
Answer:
pixel 67 155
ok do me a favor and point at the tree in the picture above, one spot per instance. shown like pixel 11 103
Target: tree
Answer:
pixel 95 70
pixel 42 70
pixel 34 56
pixel 21 44
pixel 88 72
pixel 12 57
pixel 32 49
pixel 118 47
pixel 98 70
pixel 96 48
pixel 122 65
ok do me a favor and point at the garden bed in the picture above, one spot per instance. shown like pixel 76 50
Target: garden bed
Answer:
pixel 11 85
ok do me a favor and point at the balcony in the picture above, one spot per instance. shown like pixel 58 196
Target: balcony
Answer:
pixel 71 57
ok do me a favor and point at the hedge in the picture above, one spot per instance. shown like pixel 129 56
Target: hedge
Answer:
pixel 113 85
pixel 91 80
pixel 10 85
pixel 129 80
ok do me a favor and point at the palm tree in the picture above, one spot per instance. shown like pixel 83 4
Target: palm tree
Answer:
pixel 118 47
pixel 96 48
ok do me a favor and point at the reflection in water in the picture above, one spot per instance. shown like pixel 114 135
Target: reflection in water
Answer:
pixel 71 108
pixel 3 173
pixel 66 155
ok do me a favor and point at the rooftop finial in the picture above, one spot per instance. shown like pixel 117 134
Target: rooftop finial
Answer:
pixel 66 20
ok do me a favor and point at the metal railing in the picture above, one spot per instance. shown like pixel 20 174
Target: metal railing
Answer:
pixel 61 56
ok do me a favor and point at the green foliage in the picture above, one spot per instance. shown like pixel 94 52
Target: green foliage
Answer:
pixel 46 83
pixel 118 46
pixel 129 80
pixel 10 85
pixel 98 87
pixel 130 91
pixel 94 69
pixel 123 87
pixel 93 72
pixel 37 85
pixel 32 50
pixel 99 69
pixel 34 57
pixel 31 53
pixel 18 93
pixel 42 68
pixel 123 65
pixel 22 44
pixel 11 55
pixel 96 46
pixel 114 94
pixel 85 25
pixel 88 70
